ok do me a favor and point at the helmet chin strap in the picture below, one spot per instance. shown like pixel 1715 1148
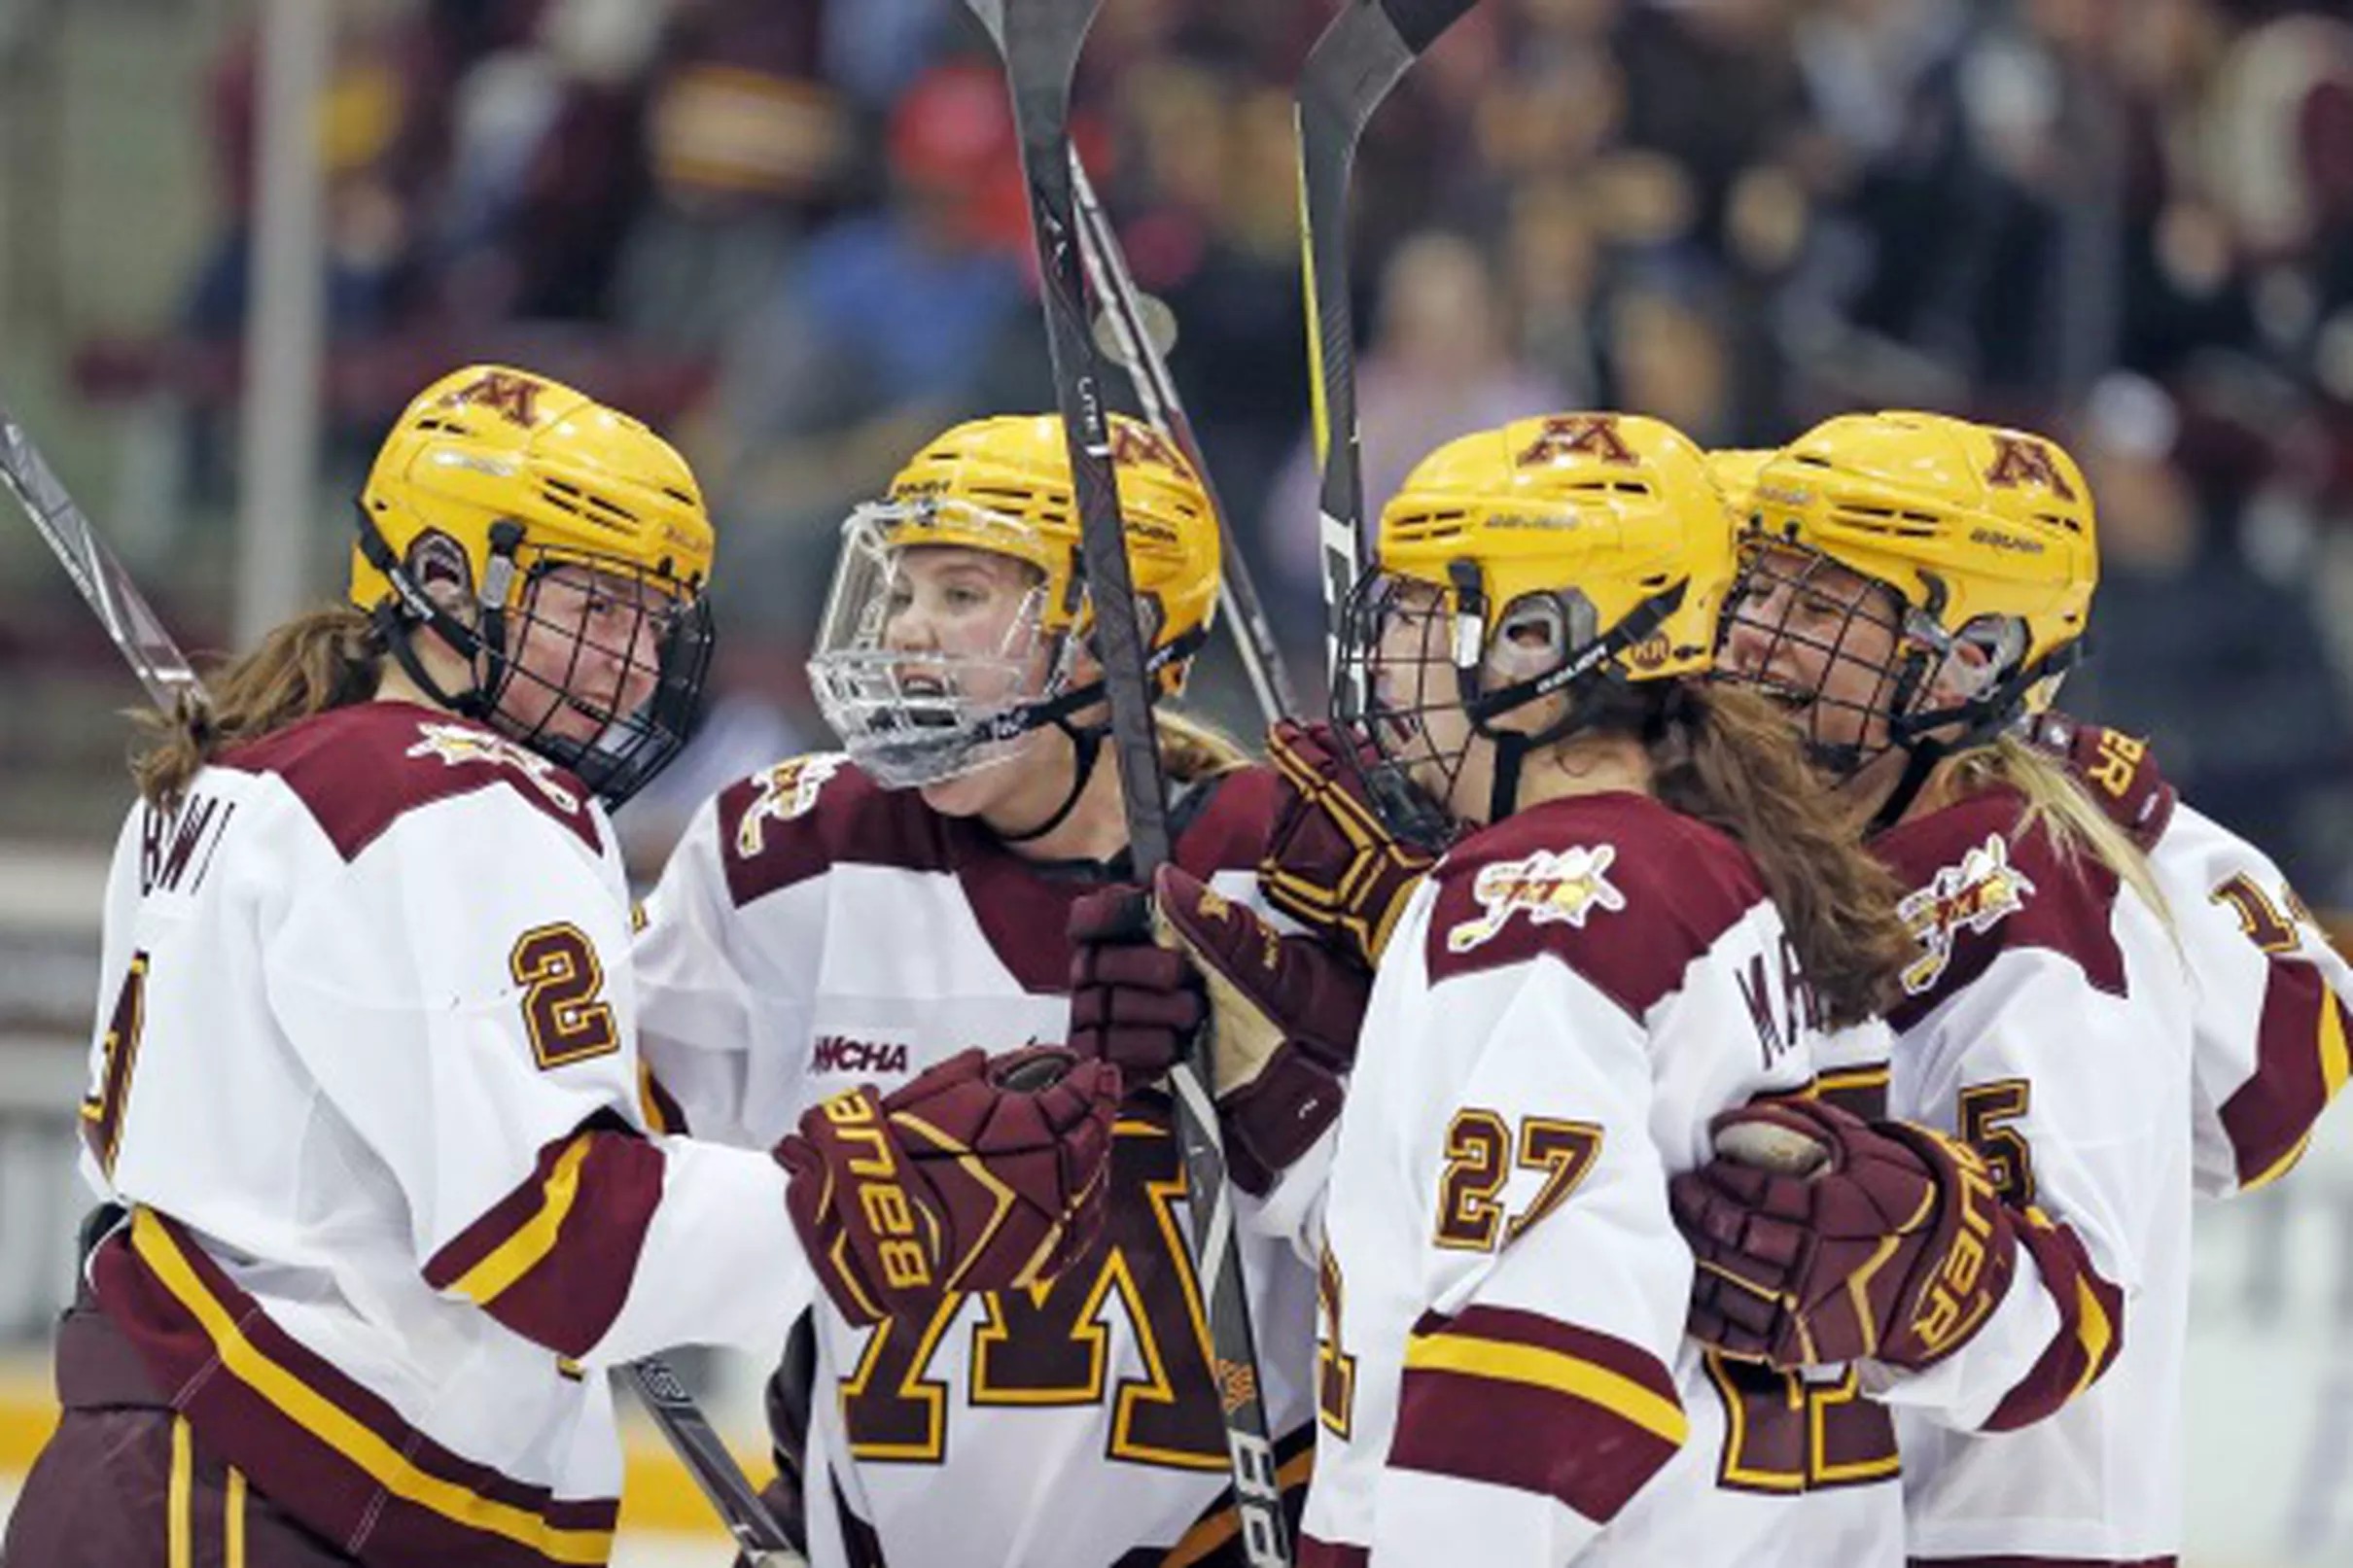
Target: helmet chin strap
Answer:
pixel 1582 679
pixel 1987 717
pixel 397 619
pixel 1086 739
pixel 1086 749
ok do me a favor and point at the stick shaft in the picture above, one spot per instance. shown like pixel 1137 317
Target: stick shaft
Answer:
pixel 1253 632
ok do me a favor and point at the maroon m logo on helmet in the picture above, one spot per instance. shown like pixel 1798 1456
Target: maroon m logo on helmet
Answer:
pixel 2020 460
pixel 514 398
pixel 1142 443
pixel 1568 434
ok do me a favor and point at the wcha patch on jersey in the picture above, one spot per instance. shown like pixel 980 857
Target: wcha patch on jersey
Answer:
pixel 868 1059
pixel 786 790
pixel 1976 895
pixel 456 744
pixel 1552 886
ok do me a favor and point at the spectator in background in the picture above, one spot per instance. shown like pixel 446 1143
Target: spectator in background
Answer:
pixel 1440 365
pixel 875 333
pixel 543 172
pixel 2198 650
pixel 746 146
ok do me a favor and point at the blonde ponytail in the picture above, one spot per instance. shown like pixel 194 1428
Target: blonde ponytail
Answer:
pixel 1192 750
pixel 2055 803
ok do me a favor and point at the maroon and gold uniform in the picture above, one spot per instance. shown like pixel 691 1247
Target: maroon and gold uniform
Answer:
pixel 366 1086
pixel 813 931
pixel 1567 1001
pixel 2046 1022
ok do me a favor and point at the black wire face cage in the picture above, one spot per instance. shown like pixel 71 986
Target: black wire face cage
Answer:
pixel 1816 622
pixel 1408 657
pixel 1396 652
pixel 610 630
pixel 1840 651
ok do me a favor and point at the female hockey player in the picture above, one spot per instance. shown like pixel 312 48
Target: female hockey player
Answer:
pixel 1909 580
pixel 365 1099
pixel 855 916
pixel 2271 991
pixel 1642 914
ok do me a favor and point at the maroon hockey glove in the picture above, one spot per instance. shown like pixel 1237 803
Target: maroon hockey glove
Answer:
pixel 980 1175
pixel 1894 1248
pixel 1329 864
pixel 1285 1011
pixel 1132 1003
pixel 2115 769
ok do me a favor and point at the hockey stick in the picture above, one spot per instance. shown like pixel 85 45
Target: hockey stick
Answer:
pixel 762 1540
pixel 154 657
pixel 1141 351
pixel 170 681
pixel 1361 56
pixel 1040 41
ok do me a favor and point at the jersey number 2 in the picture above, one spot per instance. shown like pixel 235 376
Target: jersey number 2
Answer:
pixel 556 967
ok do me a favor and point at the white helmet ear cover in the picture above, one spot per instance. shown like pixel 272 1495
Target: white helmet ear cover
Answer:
pixel 1978 657
pixel 1537 634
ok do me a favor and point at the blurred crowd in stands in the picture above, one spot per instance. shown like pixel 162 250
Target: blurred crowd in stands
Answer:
pixel 793 231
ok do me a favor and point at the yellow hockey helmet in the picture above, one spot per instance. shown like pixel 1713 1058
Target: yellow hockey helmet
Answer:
pixel 1001 486
pixel 495 481
pixel 489 444
pixel 1562 555
pixel 1734 468
pixel 1982 536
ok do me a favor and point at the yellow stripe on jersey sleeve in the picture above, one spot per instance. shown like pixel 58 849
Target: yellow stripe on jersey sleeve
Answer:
pixel 513 1258
pixel 1541 1367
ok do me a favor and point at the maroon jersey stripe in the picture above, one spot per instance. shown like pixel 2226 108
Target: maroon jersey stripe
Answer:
pixel 1315 1554
pixel 326 1449
pixel 2091 1330
pixel 552 1260
pixel 2304 1030
pixel 1624 890
pixel 360 769
pixel 1966 913
pixel 1577 1438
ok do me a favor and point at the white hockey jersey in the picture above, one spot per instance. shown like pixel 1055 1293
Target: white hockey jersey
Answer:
pixel 813 932
pixel 2047 1022
pixel 365 1079
pixel 2271 991
pixel 2270 1015
pixel 1504 1376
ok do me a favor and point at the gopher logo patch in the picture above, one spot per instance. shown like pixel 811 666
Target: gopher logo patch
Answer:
pixel 455 744
pixel 786 792
pixel 1565 435
pixel 1976 895
pixel 2021 459
pixel 1563 887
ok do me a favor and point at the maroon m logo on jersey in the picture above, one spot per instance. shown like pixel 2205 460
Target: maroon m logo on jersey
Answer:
pixel 2020 460
pixel 1568 434
pixel 514 398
